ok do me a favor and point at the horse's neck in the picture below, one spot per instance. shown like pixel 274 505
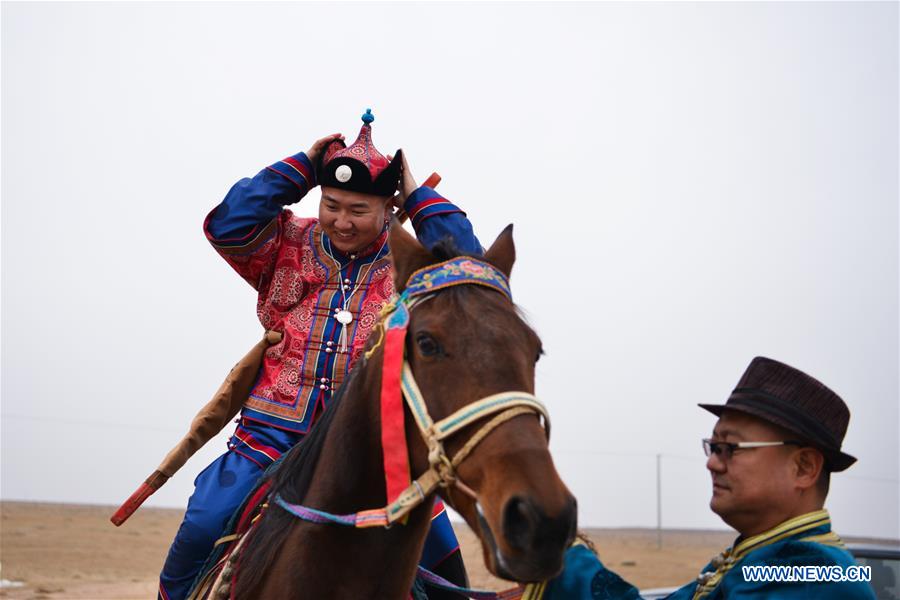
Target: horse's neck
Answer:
pixel 371 563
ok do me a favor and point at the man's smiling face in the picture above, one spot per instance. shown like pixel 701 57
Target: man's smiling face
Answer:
pixel 352 220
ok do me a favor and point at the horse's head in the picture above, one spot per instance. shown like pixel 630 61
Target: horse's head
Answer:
pixel 463 344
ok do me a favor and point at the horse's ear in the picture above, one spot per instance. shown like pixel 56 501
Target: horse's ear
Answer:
pixel 407 255
pixel 502 253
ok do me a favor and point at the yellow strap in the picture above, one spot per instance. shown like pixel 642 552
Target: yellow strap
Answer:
pixel 412 496
pixel 413 396
pixel 491 404
pixel 486 429
pixel 827 539
pixel 227 538
pixel 789 528
pixel 534 591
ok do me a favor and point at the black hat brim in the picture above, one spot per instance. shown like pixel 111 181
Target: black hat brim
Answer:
pixel 384 185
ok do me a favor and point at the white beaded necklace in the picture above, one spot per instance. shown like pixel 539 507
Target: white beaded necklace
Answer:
pixel 343 315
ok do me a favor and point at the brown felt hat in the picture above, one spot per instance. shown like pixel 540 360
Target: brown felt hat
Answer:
pixel 790 398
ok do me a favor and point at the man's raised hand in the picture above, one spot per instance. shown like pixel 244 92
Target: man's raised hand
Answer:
pixel 319 146
pixel 407 182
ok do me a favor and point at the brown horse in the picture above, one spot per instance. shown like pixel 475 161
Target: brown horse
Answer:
pixel 463 344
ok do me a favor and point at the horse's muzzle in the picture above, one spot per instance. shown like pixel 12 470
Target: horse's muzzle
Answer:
pixel 536 541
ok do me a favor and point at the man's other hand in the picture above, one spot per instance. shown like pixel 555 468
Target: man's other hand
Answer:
pixel 407 183
pixel 319 146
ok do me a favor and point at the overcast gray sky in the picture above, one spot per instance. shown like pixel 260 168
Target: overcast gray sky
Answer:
pixel 692 185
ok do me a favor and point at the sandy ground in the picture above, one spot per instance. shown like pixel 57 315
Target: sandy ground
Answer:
pixel 71 551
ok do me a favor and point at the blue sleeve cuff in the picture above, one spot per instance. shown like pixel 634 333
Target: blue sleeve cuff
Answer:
pixel 584 576
pixel 297 169
pixel 251 203
pixel 425 202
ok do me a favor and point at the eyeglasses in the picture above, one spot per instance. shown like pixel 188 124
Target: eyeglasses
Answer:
pixel 725 450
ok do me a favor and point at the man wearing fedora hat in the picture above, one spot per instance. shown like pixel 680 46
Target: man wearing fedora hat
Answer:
pixel 772 451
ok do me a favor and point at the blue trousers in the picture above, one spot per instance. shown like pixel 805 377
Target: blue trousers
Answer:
pixel 218 491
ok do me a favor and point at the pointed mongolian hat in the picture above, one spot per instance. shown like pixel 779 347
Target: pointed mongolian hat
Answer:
pixel 360 167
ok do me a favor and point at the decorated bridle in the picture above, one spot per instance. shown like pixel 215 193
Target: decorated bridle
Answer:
pixel 398 383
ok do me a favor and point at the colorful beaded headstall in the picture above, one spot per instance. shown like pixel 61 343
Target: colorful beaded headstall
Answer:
pixel 462 270
pixel 456 271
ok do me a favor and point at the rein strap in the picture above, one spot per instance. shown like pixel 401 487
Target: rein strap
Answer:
pixel 442 469
pixel 469 413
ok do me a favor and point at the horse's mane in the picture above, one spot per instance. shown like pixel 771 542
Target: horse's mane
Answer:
pixel 446 249
pixel 292 475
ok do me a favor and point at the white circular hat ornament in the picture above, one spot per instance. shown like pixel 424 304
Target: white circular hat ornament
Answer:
pixel 343 173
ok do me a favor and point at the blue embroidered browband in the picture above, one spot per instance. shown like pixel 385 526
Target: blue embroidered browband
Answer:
pixel 456 271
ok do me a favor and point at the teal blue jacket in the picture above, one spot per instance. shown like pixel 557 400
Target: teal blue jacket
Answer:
pixel 806 540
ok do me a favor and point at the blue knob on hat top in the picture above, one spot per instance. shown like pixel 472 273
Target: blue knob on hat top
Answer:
pixel 368 117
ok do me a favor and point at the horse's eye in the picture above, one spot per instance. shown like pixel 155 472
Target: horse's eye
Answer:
pixel 428 346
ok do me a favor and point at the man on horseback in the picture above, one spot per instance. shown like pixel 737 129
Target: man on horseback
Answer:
pixel 322 283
